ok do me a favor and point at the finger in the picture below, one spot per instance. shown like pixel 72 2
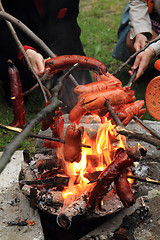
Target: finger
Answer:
pixel 140 71
pixel 40 66
pixel 137 46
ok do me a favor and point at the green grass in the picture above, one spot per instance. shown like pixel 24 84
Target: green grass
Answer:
pixel 99 21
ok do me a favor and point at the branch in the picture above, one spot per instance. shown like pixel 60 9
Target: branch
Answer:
pixel 18 140
pixel 146 127
pixel 43 79
pixel 131 135
pixel 135 54
pixel 140 136
pixel 33 135
pixel 112 113
pixel 32 36
pixel 143 179
pixel 20 46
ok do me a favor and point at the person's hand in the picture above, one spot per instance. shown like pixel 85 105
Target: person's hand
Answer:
pixel 140 41
pixel 37 61
pixel 141 62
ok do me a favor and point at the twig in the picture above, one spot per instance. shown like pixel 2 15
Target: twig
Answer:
pixel 43 78
pixel 130 134
pixel 134 55
pixel 32 36
pixel 142 179
pixel 146 127
pixel 63 77
pixel 18 140
pixel 113 114
pixel 33 135
pixel 140 136
pixel 20 46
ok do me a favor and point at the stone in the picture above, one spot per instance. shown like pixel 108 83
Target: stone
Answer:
pixel 15 207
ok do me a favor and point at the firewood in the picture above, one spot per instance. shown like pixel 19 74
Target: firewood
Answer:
pixel 45 164
pixel 58 180
pixel 76 208
pixel 52 198
pixel 91 176
pixel 126 229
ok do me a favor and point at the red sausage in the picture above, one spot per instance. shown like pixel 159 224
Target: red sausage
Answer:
pixel 73 141
pixel 60 63
pixel 106 83
pixel 16 96
pixel 124 191
pixel 120 162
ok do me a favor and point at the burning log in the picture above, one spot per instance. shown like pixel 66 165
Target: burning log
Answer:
pixel 58 180
pixel 77 208
pixel 92 176
pixel 126 229
pixel 51 173
pixel 52 198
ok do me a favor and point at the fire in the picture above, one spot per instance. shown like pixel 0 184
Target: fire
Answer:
pixel 93 159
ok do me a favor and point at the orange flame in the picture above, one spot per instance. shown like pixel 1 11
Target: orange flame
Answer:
pixel 102 150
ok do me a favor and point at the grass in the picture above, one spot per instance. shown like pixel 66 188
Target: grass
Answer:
pixel 99 21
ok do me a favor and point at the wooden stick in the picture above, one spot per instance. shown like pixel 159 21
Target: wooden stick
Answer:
pixel 20 46
pixel 135 54
pixel 140 136
pixel 130 134
pixel 142 179
pixel 113 114
pixel 132 78
pixel 146 127
pixel 31 35
pixel 33 135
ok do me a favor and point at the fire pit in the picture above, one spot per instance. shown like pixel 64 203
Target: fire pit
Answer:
pixel 51 185
pixel 83 171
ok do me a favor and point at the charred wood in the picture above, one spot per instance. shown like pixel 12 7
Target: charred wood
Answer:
pixel 58 180
pixel 45 164
pixel 91 176
pixel 129 223
pixel 52 198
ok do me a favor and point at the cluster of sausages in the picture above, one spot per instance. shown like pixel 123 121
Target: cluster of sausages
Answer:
pixel 92 99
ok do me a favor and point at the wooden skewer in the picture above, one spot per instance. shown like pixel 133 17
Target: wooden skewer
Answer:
pixel 19 130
